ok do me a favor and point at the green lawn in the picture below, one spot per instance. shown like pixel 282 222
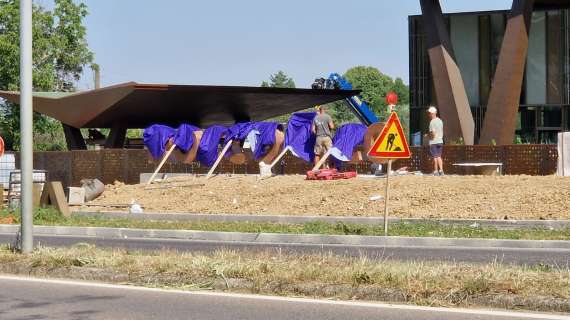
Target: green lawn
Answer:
pixel 51 217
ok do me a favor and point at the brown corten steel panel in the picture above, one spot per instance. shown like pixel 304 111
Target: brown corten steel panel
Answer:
pixel 126 165
pixel 449 87
pixel 499 124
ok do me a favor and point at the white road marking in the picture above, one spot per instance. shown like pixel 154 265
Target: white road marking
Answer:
pixel 524 315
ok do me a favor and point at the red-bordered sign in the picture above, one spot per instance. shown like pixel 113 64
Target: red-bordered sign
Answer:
pixel 392 143
pixel 1 146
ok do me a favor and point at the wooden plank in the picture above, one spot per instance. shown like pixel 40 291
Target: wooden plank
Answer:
pixel 37 194
pixel 53 194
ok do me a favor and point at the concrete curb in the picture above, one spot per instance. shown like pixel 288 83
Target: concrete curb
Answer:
pixel 275 238
pixel 499 224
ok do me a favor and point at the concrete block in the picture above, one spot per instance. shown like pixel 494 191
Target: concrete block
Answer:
pixel 76 196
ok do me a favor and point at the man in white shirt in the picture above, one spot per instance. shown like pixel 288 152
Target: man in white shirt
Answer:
pixel 435 136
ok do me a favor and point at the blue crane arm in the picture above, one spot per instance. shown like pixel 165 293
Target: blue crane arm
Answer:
pixel 359 107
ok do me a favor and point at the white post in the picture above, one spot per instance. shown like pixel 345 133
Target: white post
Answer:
pixel 166 156
pixel 386 198
pixel 26 126
pixel 280 156
pixel 220 157
pixel 322 161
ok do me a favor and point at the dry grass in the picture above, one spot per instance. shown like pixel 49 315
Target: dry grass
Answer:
pixel 324 276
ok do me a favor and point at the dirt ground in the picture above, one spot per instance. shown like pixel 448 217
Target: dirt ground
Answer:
pixel 486 197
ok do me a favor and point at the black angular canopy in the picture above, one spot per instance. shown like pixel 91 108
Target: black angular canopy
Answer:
pixel 134 105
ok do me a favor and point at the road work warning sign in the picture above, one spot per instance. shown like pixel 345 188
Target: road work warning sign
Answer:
pixel 391 143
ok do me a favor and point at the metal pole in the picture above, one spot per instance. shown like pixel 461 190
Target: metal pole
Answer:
pixel 386 198
pixel 26 125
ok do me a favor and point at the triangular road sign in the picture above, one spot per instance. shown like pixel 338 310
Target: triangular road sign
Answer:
pixel 392 143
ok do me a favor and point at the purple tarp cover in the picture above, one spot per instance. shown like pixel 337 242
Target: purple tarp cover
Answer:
pixel 346 139
pixel 184 137
pixel 263 135
pixel 208 149
pixel 155 138
pixel 239 131
pixel 299 135
pixel 265 138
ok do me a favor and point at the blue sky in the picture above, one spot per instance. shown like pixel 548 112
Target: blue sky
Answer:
pixel 229 42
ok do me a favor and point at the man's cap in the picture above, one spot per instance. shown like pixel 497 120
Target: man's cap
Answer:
pixel 432 110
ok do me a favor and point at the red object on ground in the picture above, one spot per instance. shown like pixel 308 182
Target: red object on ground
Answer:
pixel 7 220
pixel 330 174
pixel 392 98
pixel 1 146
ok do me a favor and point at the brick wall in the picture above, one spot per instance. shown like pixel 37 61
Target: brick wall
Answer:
pixel 126 165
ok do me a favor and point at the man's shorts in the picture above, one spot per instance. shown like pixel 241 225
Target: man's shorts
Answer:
pixel 322 145
pixel 435 150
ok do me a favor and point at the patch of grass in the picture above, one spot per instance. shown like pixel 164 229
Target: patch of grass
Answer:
pixel 322 275
pixel 49 216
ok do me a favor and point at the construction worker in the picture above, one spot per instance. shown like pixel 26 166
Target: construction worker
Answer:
pixel 322 126
pixel 435 137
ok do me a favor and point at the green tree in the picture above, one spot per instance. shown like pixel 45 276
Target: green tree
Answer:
pixel 375 86
pixel 279 80
pixel 402 90
pixel 59 56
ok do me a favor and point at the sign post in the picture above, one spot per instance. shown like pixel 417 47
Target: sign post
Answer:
pixel 26 126
pixel 391 144
pixel 387 196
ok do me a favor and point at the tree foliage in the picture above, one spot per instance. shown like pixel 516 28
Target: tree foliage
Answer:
pixel 60 55
pixel 279 80
pixel 375 86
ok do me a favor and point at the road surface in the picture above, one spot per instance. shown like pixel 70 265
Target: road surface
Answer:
pixel 558 257
pixel 23 298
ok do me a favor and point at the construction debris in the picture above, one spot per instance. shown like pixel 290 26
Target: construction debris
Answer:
pixel 93 188
pixel 330 174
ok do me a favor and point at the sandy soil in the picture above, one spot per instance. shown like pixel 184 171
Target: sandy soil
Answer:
pixel 507 197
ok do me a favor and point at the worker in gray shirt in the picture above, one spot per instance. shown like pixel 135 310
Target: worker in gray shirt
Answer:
pixel 435 136
pixel 322 126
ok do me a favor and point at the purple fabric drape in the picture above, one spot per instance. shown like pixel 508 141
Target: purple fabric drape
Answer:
pixel 208 149
pixel 155 138
pixel 299 136
pixel 346 139
pixel 184 137
pixel 239 131
pixel 265 138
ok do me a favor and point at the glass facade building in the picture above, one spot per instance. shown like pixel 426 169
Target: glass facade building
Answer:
pixel 476 39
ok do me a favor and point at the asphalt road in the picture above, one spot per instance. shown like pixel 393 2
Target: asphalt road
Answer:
pixel 23 299
pixel 558 257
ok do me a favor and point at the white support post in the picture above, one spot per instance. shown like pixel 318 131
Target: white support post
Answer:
pixel 162 162
pixel 220 157
pixel 265 171
pixel 281 155
pixel 322 161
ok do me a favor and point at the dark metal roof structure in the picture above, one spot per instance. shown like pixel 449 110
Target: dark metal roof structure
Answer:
pixel 551 4
pixel 134 105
